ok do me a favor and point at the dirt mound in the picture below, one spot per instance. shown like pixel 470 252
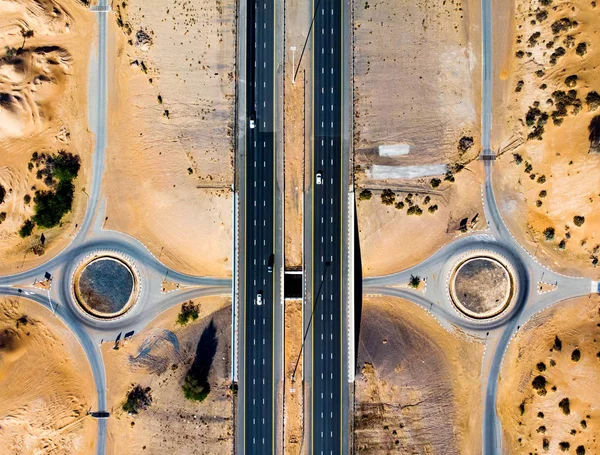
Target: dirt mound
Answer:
pixel 418 388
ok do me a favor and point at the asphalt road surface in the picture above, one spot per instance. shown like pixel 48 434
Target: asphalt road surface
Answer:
pixel 258 346
pixel 326 397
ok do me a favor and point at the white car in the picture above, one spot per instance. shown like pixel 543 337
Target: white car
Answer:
pixel 252 123
pixel 259 299
pixel 319 178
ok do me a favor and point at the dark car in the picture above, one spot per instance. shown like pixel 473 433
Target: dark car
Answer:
pixel 270 263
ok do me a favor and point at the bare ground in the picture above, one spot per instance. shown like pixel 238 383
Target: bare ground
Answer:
pixel 170 154
pixel 46 385
pixel 405 94
pixel 159 357
pixel 418 389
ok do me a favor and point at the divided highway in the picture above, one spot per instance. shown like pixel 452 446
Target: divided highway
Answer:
pixel 259 298
pixel 328 381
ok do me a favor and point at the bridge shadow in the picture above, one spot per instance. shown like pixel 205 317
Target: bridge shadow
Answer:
pixel 358 287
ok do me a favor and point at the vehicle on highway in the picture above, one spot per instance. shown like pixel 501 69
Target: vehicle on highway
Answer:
pixel 252 121
pixel 270 263
pixel 319 178
pixel 259 299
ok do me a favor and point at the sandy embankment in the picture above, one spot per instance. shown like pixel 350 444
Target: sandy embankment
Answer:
pixel 43 90
pixel 170 153
pixel 557 178
pixel 417 84
pixel 296 110
pixel 293 415
pixel 159 357
pixel 46 385
pixel 533 422
pixel 418 389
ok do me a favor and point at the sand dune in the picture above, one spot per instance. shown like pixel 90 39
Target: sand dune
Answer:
pixel 46 386
pixel 44 51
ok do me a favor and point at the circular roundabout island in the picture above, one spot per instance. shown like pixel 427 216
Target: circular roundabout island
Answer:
pixel 482 285
pixel 105 286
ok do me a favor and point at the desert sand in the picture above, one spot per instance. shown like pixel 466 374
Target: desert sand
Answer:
pixel 418 386
pixel 561 345
pixel 44 57
pixel 416 86
pixel 547 176
pixel 46 385
pixel 159 357
pixel 170 152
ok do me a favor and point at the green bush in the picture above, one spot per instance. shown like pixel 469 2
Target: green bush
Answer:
pixel 433 208
pixel 539 383
pixel 193 390
pixel 2 217
pixel 576 355
pixel 189 310
pixel 557 347
pixel 26 229
pixel 578 220
pixel 51 206
pixel 137 400
pixel 565 406
pixel 592 99
pixel 435 182
pixel 65 166
pixel 541 366
pixel 365 195
pixel 549 234
pixel 581 49
pixel 415 281
pixel 387 197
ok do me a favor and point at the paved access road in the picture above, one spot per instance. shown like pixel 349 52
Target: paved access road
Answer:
pixel 258 395
pixel 327 256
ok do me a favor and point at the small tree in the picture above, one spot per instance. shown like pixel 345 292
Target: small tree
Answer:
pixel 388 197
pixel 578 220
pixel 549 234
pixel 189 310
pixel 435 183
pixel 2 217
pixel 576 355
pixel 415 281
pixel 138 399
pixel 193 390
pixel 365 195
pixel 565 406
pixel 593 100
pixel 26 229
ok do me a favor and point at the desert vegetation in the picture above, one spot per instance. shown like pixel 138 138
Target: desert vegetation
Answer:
pixel 57 172
pixel 553 409
pixel 189 312
pixel 138 399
